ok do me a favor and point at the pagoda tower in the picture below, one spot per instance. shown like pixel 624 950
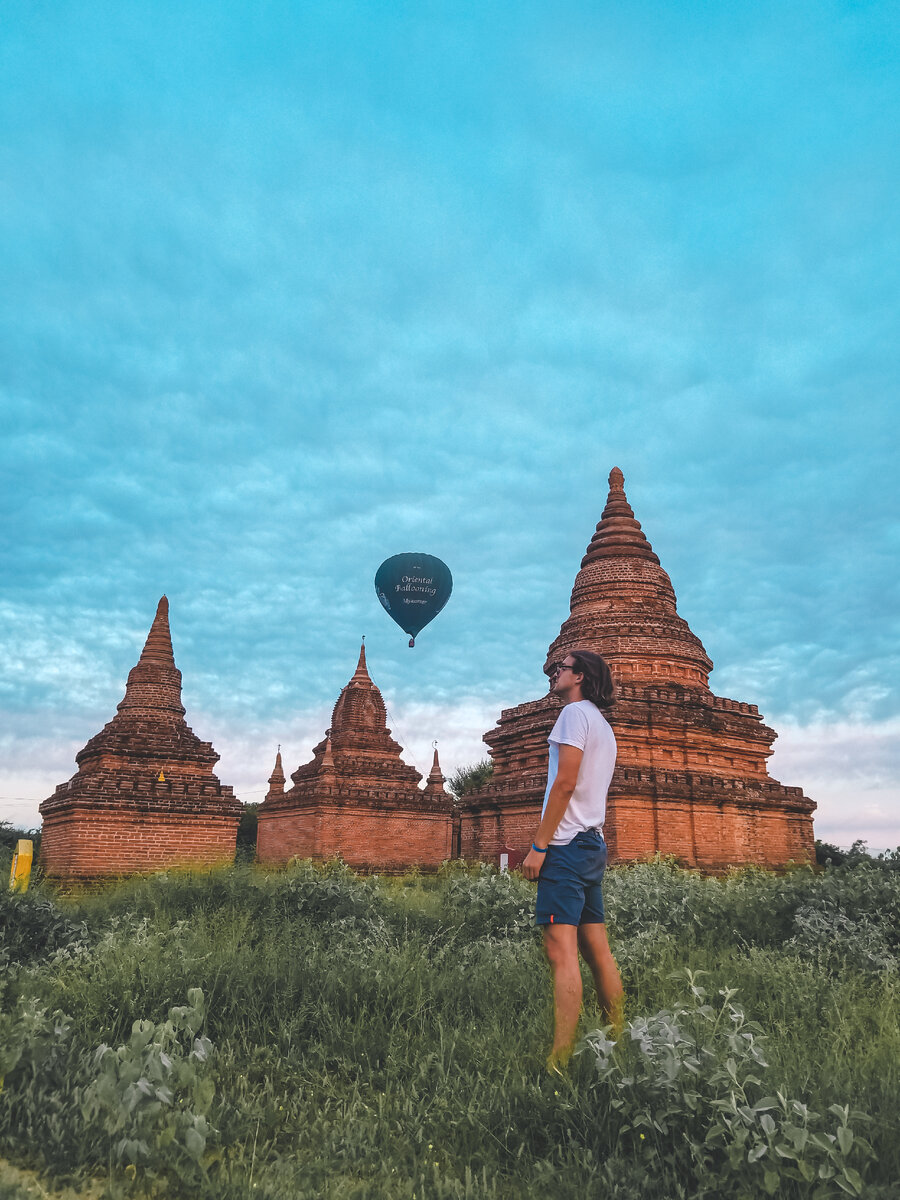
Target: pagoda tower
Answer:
pixel 144 797
pixel 691 778
pixel 356 798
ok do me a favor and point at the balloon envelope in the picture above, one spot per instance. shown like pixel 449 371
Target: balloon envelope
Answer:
pixel 413 588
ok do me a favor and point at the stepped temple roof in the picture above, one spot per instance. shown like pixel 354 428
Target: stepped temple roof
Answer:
pixel 358 749
pixel 356 797
pixel 149 724
pixel 623 605
pixel 144 796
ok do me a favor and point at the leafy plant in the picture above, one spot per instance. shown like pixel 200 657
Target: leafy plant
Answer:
pixel 41 1070
pixel 151 1096
pixel 686 1097
pixel 466 780
pixel 490 903
pixel 385 1039
pixel 33 926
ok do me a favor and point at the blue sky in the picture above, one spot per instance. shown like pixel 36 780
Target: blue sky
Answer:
pixel 291 288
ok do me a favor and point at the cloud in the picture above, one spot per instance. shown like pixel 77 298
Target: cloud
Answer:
pixel 286 297
pixel 851 770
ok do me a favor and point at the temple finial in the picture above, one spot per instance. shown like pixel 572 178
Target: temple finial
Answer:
pixel 158 645
pixel 435 780
pixel 326 762
pixel 618 533
pixel 276 779
pixel 361 671
pixel 154 682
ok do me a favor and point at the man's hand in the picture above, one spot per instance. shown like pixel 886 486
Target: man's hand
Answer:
pixel 531 867
pixel 557 803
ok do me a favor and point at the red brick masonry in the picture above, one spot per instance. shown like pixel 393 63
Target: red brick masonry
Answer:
pixel 357 798
pixel 691 778
pixel 144 797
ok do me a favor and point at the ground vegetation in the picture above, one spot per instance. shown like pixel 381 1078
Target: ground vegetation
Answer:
pixel 311 1033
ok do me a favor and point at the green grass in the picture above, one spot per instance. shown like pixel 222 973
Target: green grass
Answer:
pixel 386 1038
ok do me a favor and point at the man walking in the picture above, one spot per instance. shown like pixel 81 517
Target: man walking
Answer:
pixel 568 855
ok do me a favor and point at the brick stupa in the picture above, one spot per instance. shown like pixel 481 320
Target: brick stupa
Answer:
pixel 145 797
pixel 691 778
pixel 357 799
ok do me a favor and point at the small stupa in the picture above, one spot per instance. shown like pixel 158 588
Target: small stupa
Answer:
pixel 691 778
pixel 357 799
pixel 144 797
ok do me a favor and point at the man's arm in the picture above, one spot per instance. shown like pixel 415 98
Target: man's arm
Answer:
pixel 557 803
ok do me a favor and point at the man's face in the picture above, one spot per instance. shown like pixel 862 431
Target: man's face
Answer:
pixel 564 679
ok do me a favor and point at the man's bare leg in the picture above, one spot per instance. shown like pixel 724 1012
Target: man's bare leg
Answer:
pixel 561 947
pixel 594 946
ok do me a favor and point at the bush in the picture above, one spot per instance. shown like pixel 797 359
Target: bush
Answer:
pixel 467 780
pixel 33 927
pixel 489 903
pixel 851 919
pixel 245 848
pixel 149 1099
pixel 685 1098
pixel 386 1039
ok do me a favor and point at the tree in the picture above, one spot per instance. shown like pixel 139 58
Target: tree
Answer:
pixel 245 851
pixel 465 780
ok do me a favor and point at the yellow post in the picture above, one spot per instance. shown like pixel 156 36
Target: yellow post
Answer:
pixel 21 866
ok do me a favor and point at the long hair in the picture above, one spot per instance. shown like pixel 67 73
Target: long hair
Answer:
pixel 597 685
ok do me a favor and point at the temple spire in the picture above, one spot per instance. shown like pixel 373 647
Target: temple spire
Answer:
pixel 618 532
pixel 623 605
pixel 276 779
pixel 154 683
pixel 435 781
pixel 361 674
pixel 158 646
pixel 326 762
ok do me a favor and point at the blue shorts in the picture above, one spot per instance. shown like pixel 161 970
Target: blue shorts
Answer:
pixel 569 885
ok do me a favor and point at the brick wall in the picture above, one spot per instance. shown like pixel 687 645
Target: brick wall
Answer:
pixel 368 838
pixel 709 835
pixel 94 844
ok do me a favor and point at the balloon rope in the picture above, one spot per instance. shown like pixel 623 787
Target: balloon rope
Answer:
pixel 396 729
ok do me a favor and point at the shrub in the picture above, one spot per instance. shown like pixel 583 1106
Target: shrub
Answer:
pixel 150 1097
pixel 466 780
pixel 329 892
pixel 852 918
pixel 245 848
pixel 686 1099
pixel 41 1070
pixel 141 1107
pixel 490 903
pixel 33 926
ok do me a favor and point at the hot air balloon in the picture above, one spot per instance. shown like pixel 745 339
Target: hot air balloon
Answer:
pixel 413 588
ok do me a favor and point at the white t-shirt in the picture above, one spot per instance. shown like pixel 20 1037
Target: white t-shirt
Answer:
pixel 582 724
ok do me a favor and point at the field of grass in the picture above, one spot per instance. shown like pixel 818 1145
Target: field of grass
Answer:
pixel 310 1033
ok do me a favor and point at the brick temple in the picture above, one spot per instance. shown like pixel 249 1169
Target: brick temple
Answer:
pixel 356 798
pixel 691 778
pixel 144 797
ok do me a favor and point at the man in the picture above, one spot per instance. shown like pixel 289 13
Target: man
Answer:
pixel 568 855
